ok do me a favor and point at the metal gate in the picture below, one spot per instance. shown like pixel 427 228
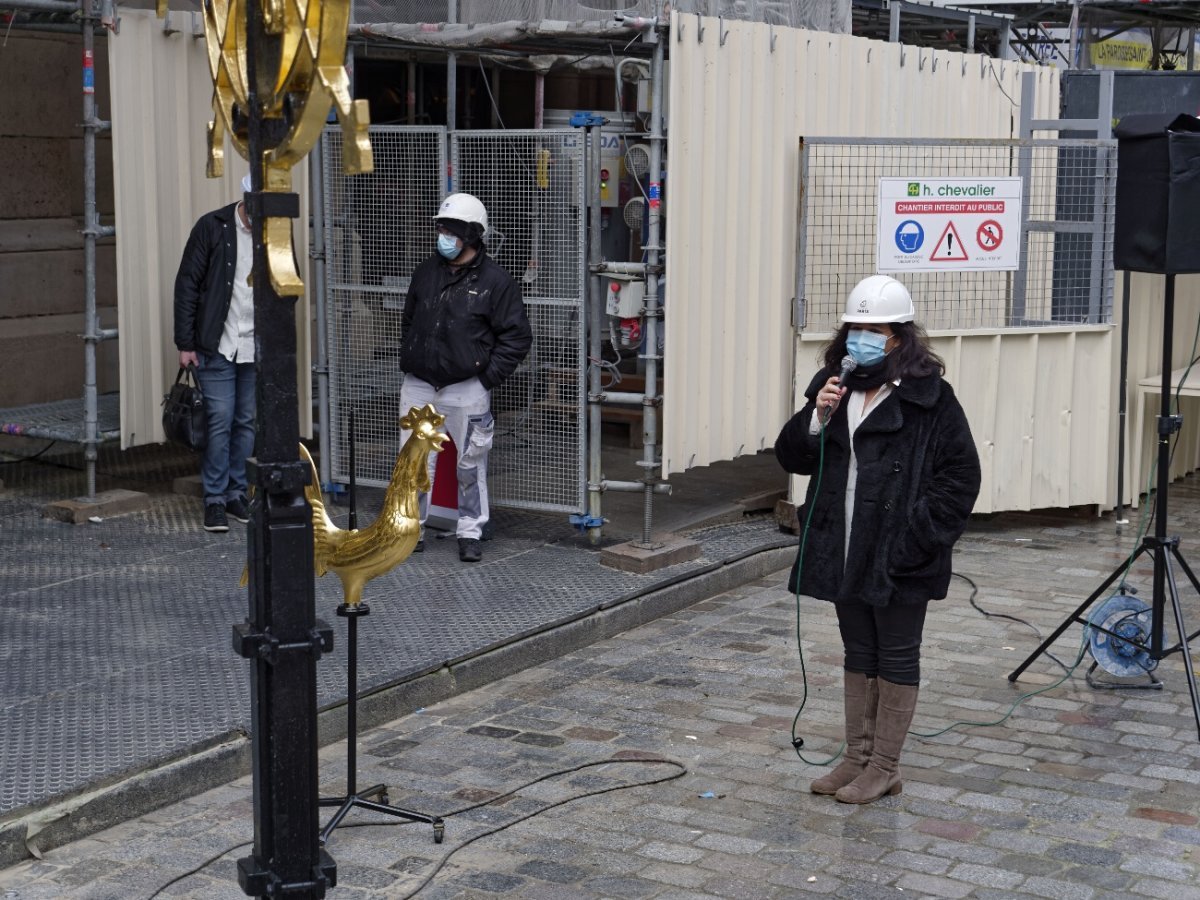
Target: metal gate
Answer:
pixel 532 183
pixel 378 229
pixel 1065 274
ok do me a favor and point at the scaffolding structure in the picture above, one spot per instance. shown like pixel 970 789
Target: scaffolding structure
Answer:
pixel 91 419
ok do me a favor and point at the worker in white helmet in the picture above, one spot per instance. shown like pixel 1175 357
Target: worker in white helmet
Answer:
pixel 464 331
pixel 895 474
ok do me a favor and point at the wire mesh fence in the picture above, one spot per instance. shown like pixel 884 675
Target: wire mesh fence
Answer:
pixel 532 183
pixel 378 229
pixel 1065 272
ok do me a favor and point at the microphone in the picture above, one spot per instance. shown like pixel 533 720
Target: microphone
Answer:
pixel 849 364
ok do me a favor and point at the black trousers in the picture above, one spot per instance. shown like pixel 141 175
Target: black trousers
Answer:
pixel 883 642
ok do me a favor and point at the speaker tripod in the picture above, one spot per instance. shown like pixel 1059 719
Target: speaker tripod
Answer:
pixel 1164 548
pixel 353 796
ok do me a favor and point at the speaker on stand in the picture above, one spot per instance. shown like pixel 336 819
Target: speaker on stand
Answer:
pixel 1157 230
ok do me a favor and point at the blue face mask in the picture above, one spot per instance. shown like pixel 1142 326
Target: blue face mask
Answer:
pixel 866 347
pixel 448 246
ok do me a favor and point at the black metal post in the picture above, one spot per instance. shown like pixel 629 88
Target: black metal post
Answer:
pixel 281 637
pixel 1166 427
pixel 353 521
pixel 1122 403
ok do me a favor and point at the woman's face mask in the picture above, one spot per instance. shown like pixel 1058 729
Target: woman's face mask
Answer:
pixel 449 246
pixel 867 347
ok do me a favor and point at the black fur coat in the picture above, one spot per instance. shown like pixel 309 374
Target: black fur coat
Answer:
pixel 918 477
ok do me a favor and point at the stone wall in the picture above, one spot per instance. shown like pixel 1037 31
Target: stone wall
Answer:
pixel 41 215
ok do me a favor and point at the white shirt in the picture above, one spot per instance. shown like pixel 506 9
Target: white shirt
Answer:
pixel 857 410
pixel 237 338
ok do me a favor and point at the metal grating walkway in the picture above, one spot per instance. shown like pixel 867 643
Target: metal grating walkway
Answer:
pixel 116 653
pixel 63 420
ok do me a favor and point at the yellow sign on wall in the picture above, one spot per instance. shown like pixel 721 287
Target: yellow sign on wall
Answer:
pixel 1115 54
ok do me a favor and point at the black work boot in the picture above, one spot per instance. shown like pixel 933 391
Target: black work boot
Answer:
pixel 469 550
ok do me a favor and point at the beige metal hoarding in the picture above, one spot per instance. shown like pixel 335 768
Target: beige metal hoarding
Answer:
pixel 161 102
pixel 741 97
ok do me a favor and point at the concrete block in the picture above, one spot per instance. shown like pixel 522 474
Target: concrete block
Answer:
pixel 106 503
pixel 666 550
pixel 41 360
pixel 188 485
pixel 41 74
pixel 36 179
pixel 50 283
pixel 20 235
pixel 785 515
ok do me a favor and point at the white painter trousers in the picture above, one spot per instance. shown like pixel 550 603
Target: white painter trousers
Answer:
pixel 467 407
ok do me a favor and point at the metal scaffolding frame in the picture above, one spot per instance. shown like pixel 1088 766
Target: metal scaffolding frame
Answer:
pixel 100 415
pixel 453 42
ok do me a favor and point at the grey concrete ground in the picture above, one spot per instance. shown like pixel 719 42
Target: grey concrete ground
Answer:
pixel 1081 793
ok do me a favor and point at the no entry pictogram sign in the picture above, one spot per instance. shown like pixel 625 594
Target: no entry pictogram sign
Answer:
pixel 989 235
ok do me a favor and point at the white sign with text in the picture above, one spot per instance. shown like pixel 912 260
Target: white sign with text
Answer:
pixel 948 224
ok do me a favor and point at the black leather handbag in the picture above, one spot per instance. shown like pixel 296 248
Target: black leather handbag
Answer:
pixel 184 420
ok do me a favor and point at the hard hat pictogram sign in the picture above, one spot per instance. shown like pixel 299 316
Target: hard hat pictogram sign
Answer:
pixel 949 247
pixel 989 235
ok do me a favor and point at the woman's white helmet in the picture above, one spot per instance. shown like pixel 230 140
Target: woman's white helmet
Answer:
pixel 879 299
pixel 464 208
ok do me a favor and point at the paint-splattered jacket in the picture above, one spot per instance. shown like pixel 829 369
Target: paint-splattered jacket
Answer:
pixel 462 322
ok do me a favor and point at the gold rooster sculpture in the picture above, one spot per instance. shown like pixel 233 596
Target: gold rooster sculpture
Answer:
pixel 360 554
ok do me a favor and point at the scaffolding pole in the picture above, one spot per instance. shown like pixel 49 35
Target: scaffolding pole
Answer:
pixel 650 461
pixel 93 333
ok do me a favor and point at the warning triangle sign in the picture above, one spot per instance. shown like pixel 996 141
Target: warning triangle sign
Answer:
pixel 949 247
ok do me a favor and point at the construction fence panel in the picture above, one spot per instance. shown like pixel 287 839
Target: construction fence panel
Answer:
pixel 378 228
pixel 1065 275
pixel 532 183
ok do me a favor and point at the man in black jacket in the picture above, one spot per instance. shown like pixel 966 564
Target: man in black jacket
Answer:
pixel 464 331
pixel 214 331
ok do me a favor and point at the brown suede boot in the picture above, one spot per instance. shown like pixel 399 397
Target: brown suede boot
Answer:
pixel 882 774
pixel 860 698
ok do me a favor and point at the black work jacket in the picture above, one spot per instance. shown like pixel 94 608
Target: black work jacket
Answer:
pixel 918 477
pixel 465 321
pixel 204 283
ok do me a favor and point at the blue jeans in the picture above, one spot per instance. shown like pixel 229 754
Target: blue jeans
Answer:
pixel 229 401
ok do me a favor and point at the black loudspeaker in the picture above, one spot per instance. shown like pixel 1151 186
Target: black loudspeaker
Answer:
pixel 1157 225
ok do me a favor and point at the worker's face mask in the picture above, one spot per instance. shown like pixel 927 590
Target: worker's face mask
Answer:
pixel 449 246
pixel 866 347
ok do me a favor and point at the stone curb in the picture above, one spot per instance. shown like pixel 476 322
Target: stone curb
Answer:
pixel 228 757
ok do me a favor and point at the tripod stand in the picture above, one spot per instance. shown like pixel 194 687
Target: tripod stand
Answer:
pixel 1164 548
pixel 353 796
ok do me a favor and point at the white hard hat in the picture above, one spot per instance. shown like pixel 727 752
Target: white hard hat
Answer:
pixel 879 299
pixel 464 208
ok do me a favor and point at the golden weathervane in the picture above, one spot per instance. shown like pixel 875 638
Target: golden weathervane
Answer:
pixel 300 74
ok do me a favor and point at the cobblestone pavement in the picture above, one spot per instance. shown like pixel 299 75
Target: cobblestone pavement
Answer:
pixel 1081 793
